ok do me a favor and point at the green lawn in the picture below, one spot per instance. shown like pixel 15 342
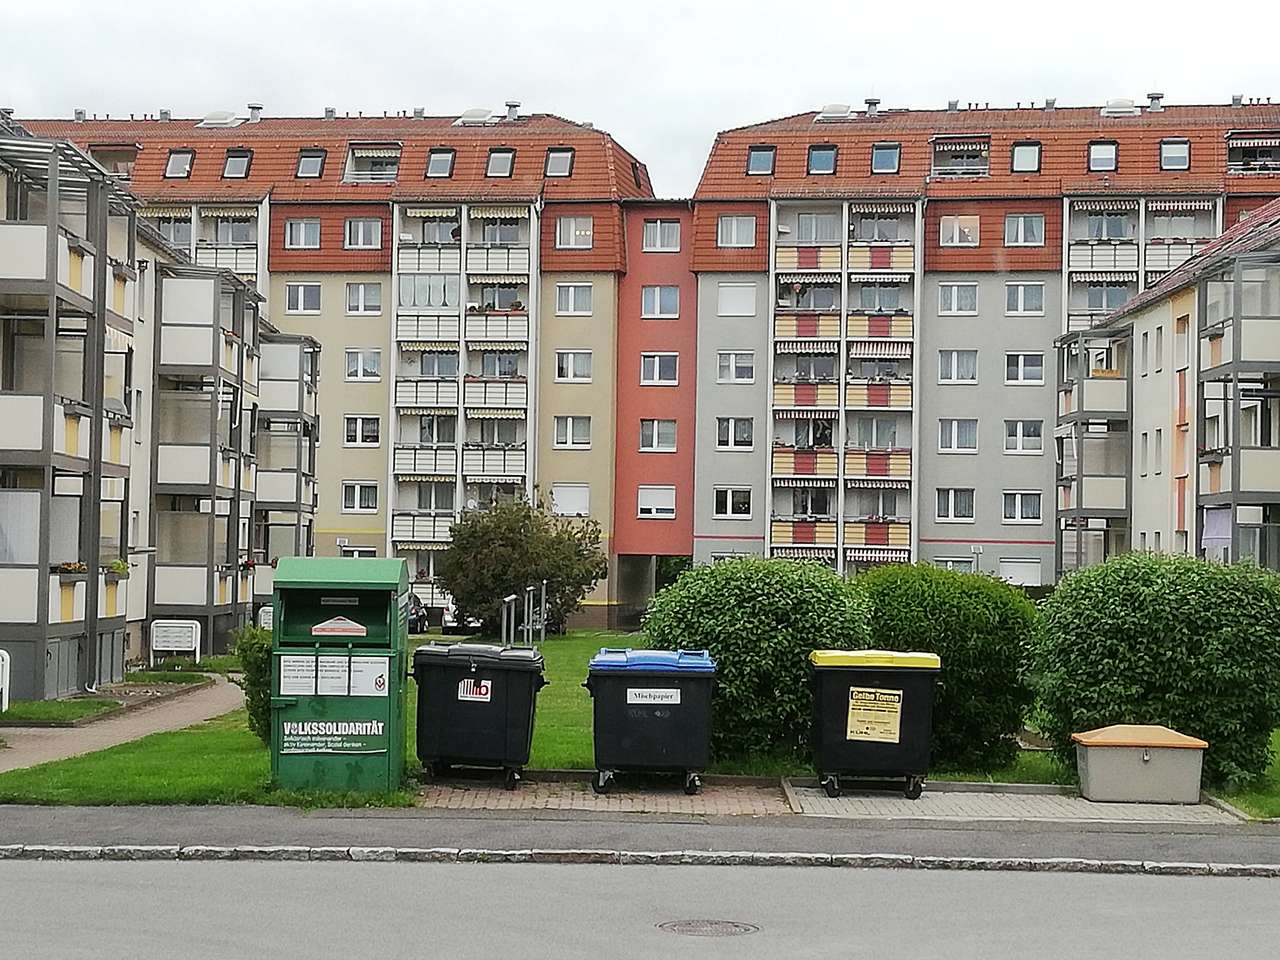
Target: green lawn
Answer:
pixel 163 676
pixel 223 663
pixel 55 711
pixel 1263 798
pixel 562 730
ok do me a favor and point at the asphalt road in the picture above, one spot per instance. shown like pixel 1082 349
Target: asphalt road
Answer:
pixel 316 911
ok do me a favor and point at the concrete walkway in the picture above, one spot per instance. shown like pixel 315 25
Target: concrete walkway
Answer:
pixel 29 746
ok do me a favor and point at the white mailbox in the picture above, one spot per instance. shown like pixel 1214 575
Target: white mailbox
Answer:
pixel 175 636
pixel 266 616
pixel 4 680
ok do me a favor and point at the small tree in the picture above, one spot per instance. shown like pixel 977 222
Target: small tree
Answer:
pixel 253 647
pixel 513 544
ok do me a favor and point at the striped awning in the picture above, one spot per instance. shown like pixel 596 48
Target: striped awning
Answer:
pixel 811 277
pixel 893 349
pixel 804 481
pixel 1094 206
pixel 882 208
pixel 428 411
pixel 499 212
pixel 430 346
pixel 877 554
pixel 496 413
pixel 941 146
pixel 415 545
pixel 886 277
pixel 117 341
pixel 1253 142
pixel 804 413
pixel 493 478
pixel 1106 276
pixel 807 346
pixel 1159 206
pixel 499 279
pixel 229 213
pixel 432 213
pixel 876 483
pixel 804 553
pixel 499 344
pixel 375 152
pixel 153 213
pixel 425 477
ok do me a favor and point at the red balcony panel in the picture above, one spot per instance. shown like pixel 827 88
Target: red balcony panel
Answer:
pixel 877 464
pixel 877 394
pixel 807 258
pixel 806 394
pixel 877 534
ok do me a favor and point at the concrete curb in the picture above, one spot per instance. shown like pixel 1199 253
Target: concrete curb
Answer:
pixel 138 852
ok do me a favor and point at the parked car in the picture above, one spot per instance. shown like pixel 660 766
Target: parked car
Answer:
pixel 449 621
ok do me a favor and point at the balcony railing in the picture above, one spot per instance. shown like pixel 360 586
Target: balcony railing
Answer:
pixel 825 394
pixel 808 257
pixel 878 395
pixel 429 258
pixel 426 329
pixel 430 593
pixel 1103 255
pixel 870 255
pixel 1259 472
pixel 820 533
pixel 807 326
pixel 1093 493
pixel 877 533
pixel 425 392
pixel 238 259
pixel 420 527
pixel 495 393
pixel 792 462
pixel 877 463
pixel 413 459
pixel 497 259
pixel 1104 392
pixel 488 461
pixel 23 250
pixel 878 326
pixel 1162 255
pixel 498 326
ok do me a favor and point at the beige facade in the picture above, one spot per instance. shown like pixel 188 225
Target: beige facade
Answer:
pixel 339 524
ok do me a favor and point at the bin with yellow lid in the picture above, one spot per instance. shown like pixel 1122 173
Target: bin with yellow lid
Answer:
pixel 872 717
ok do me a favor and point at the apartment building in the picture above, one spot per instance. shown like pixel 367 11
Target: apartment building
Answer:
pixel 891 244
pixel 1172 412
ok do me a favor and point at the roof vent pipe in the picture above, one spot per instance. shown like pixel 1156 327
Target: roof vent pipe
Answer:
pixel 872 107
pixel 1051 103
pixel 330 113
pixel 419 112
pixel 1155 105
pixel 79 114
pixel 165 114
pixel 513 109
pixel 1237 99
pixel 255 112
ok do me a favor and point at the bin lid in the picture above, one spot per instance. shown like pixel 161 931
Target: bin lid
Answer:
pixel 351 573
pixel 1138 735
pixel 897 660
pixel 489 654
pixel 610 660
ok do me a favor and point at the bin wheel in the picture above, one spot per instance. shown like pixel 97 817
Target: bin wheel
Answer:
pixel 602 782
pixel 510 778
pixel 692 784
pixel 915 786
pixel 832 786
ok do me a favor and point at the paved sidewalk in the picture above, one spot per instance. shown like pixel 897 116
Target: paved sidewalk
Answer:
pixel 751 801
pixel 29 746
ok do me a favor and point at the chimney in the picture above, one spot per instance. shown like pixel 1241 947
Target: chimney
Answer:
pixel 872 105
pixel 255 112
pixel 513 109
pixel 1051 103
pixel 330 113
pixel 419 112
pixel 79 114
pixel 165 114
pixel 1237 99
pixel 953 106
pixel 1155 106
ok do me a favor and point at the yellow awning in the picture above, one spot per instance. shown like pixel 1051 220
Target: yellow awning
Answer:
pixel 432 213
pixel 499 213
pixel 230 213
pixel 375 151
pixel 875 658
pixel 496 413
pixel 154 213
pixel 430 346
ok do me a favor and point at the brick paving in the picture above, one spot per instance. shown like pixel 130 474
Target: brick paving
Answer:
pixel 954 805
pixel 627 797
pixel 28 746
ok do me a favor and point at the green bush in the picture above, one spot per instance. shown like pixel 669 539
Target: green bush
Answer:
pixel 253 649
pixel 759 619
pixel 981 628
pixel 1172 640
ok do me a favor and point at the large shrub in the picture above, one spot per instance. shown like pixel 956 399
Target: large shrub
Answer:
pixel 253 648
pixel 981 628
pixel 760 619
pixel 1145 638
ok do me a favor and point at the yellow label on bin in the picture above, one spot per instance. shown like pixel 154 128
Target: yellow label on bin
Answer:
pixel 875 714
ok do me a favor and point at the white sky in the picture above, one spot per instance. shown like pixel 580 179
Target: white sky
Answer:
pixel 661 75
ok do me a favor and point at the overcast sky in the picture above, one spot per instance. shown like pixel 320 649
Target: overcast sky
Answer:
pixel 661 75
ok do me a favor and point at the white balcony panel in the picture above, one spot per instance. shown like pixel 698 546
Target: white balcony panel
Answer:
pixel 21 423
pixel 122 598
pixel 1259 469
pixel 497 328
pixel 1102 256
pixel 429 529
pixel 431 594
pixel 1166 256
pixel 496 393
pixel 1099 393
pixel 426 328
pixel 70 433
pixel 1259 340
pixel 277 486
pixel 235 259
pixel 182 463
pixel 426 460
pixel 280 395
pixel 22 251
pixel 264 579
pixel 498 260
pixel 79 591
pixel 186 346
pixel 426 393
pixel 415 259
pixel 182 585
pixel 1102 493
pixel 19 587
pixel 492 463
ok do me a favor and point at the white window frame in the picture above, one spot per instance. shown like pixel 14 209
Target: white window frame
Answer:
pixel 1021 287
pixel 440 153
pixel 657 246
pixel 734 286
pixel 728 492
pixel 551 165
pixel 362 308
pixel 573 295
pixel 950 516
pixel 730 357
pixel 732 423
pixel 299 287
pixel 1020 496
pixel 355 233
pixel 897 157
pixel 657 446
pixel 569 356
pixel 1020 449
pixel 954 366
pixel 295 233
pixel 951 230
pixel 1025 145
pixel 730 230
pixel 360 377
pixel 1020 235
pixel 762 149
pixel 655 511
pixel 184 172
pixel 654 311
pixel 954 287
pixel 569 441
pixel 654 359
pixel 1176 142
pixel 950 426
pixel 360 419
pixel 499 154
pixel 809 222
pixel 357 486
pixel 1022 380
pixel 570 233
pixel 1115 156
pixel 583 489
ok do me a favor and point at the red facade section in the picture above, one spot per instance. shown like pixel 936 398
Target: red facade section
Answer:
pixel 632 534
pixel 991 254
pixel 1235 206
pixel 332 256
pixel 710 258
pixel 606 251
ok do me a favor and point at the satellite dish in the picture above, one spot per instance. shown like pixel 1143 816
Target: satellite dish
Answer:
pixel 471 504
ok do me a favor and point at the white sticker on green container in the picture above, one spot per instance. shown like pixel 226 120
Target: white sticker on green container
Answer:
pixel 647 695
pixel 369 676
pixel 875 715
pixel 297 676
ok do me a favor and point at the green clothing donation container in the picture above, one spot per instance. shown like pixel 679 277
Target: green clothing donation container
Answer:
pixel 338 674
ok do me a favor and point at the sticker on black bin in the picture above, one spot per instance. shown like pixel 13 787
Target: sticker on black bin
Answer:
pixel 875 715
pixel 652 695
pixel 476 691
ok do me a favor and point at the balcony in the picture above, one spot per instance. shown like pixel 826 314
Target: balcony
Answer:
pixel 810 257
pixel 498 326
pixel 786 533
pixel 480 392
pixel 420 527
pixel 493 461
pixel 889 464
pixel 497 259
pixel 23 247
pixel 1259 472
pixel 879 326
pixel 428 258
pixel 961 158
pixel 237 259
pixel 809 326
pixel 868 256
pixel 281 486
pixel 430 593
pixel 1165 255
pixel 1259 343
pixel 1104 393
pixel 1092 494
pixel 426 392
pixel 793 462
pixel 877 533
pixel 1103 255
pixel 425 329
pixel 826 394
pixel 878 395
pixel 415 460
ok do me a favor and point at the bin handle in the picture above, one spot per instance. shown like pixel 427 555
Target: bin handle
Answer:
pixel 284 702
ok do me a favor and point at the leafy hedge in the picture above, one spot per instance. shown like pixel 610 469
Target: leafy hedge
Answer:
pixel 759 619
pixel 253 648
pixel 982 629
pixel 1145 638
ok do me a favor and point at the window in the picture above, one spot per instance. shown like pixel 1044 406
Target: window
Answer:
pixel 310 164
pixel 573 299
pixel 364 364
pixel 661 236
pixel 559 162
pixel 1024 368
pixel 736 366
pixel 657 503
pixel 499 363
pixel 957 366
pixel 1143 451
pixel 359 496
pixel 1107 296
pixel 822 158
pixel 958 231
pixel 364 298
pixel 955 564
pixel 1110 226
pixel 1020 571
pixel 437 496
pixel 501 162
pixel 440 163
pixel 1024 230
pixel 736 231
pixel 1022 506
pixel 500 297
pixel 957 298
pixel 732 503
pixel 815 368
pixel 364 234
pixel 573 366
pixel 659 303
pixel 955 505
pixel 1182 342
pixel 443 365
pixel 875 504
pixel 736 300
pixel 1159 451
pixel 1026 157
pixel 1103 156
pixel 1175 155
pixel 429 290
pixel 659 369
pixel 880 297
pixel 235 233
pixel 1144 355
pixel 361 431
pixel 302 298
pixel 818 227
pixel 498 433
pixel 735 433
pixel 812 502
pixel 176 231
pixel 885 157
pixel 437 429
pixel 873 433
pixel 573 433
pixel 1024 298
pixel 657 436
pixel 760 160
pixel 815 297
pixel 302 234
pixel 441 230
pixel 872 227
pixel 957 436
pixel 1159 349
pixel 372 163
pixel 504 231
pixel 178 166
pixel 236 166
pixel 1024 436
pixel 570 499
pixel 574 233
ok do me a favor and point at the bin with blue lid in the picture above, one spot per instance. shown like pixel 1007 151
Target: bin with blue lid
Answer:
pixel 651 713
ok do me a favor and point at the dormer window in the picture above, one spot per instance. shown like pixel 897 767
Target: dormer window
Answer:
pixel 1175 154
pixel 1026 157
pixel 885 157
pixel 502 162
pixel 440 163
pixel 822 159
pixel 962 158
pixel 310 164
pixel 760 160
pixel 373 164
pixel 559 162
pixel 178 166
pixel 1253 153
pixel 236 166
pixel 1103 156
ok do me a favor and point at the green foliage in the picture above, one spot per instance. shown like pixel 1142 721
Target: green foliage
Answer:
pixel 253 650
pixel 511 545
pixel 669 569
pixel 981 628
pixel 1170 640
pixel 760 619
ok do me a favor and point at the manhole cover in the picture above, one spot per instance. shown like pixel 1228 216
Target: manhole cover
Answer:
pixel 708 928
